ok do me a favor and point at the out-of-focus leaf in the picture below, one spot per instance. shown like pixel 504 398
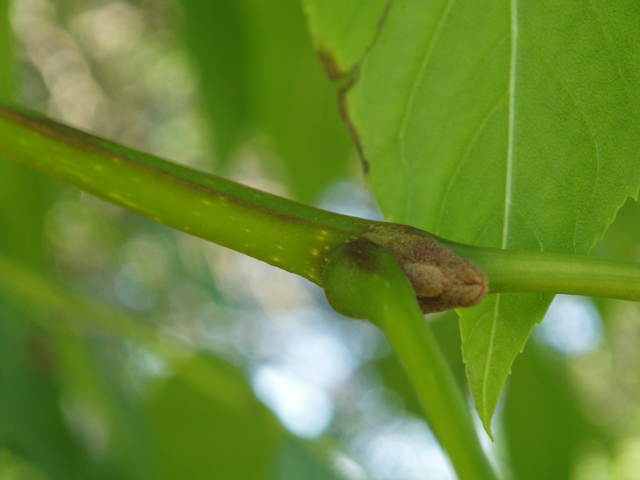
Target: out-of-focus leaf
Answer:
pixel 294 462
pixel 259 74
pixel 7 61
pixel 200 437
pixel 505 124
pixel 621 239
pixel 21 221
pixel 216 38
pixel 446 330
pixel 344 30
pixel 124 446
pixel 31 423
pixel 120 440
pixel 619 242
pixel 44 373
pixel 543 420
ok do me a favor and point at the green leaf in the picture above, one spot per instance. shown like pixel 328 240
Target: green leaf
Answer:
pixel 503 124
pixel 215 38
pixel 31 421
pixel 199 437
pixel 199 380
pixel 543 420
pixel 259 74
pixel 343 30
pixel 93 388
pixel 295 462
pixel 621 239
pixel 21 222
pixel 7 58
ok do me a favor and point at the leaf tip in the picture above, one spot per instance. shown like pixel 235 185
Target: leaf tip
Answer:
pixel 487 428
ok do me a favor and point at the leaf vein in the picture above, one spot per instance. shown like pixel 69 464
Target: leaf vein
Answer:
pixel 532 226
pixel 487 367
pixel 556 71
pixel 456 171
pixel 512 116
pixel 614 52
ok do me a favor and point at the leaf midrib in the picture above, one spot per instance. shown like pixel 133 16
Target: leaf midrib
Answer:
pixel 508 193
pixel 512 115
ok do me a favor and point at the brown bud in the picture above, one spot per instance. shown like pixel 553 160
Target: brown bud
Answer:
pixel 441 279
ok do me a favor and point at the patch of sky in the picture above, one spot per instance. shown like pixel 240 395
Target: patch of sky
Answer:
pixel 572 326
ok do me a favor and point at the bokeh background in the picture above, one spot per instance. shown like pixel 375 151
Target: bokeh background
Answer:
pixel 132 351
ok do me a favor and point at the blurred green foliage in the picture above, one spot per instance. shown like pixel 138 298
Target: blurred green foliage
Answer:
pixel 259 73
pixel 198 438
pixel 544 422
pixel 31 423
pixel 6 54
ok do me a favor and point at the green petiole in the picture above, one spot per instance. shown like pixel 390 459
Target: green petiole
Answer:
pixel 364 280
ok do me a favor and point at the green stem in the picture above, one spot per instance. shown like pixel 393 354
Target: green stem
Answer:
pixel 517 271
pixel 287 234
pixel 363 280
pixel 203 205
